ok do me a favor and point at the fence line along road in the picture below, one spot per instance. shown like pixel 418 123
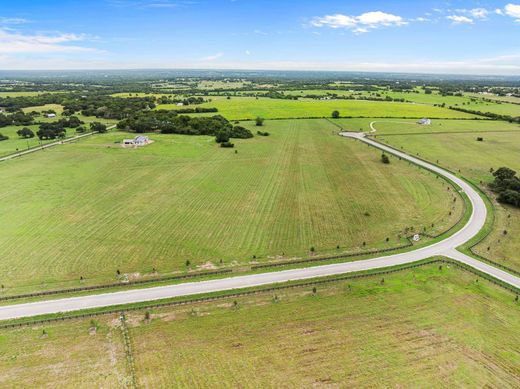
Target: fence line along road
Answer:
pixel 46 146
pixel 446 247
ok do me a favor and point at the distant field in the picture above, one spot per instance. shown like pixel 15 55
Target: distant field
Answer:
pixel 474 159
pixel 424 328
pixel 396 126
pixel 249 108
pixel 93 208
pixel 18 94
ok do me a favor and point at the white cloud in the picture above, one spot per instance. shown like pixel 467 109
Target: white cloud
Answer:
pixel 361 23
pixel 248 52
pixel 512 10
pixel 479 13
pixel 213 57
pixel 4 20
pixel 458 19
pixel 14 42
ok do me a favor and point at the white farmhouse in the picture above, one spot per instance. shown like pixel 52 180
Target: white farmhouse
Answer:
pixel 50 115
pixel 138 141
pixel 425 122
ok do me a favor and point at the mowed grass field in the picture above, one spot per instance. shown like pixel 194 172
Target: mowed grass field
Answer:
pixel 420 328
pixel 249 108
pixel 462 151
pixel 91 208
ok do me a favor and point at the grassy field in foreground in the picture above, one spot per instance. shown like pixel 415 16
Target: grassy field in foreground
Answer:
pixel 474 159
pixel 250 108
pixel 419 328
pixel 97 208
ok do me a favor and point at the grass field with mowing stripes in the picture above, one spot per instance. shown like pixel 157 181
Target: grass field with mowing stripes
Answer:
pixel 96 208
pixel 474 159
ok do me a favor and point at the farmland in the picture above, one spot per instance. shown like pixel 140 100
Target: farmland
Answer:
pixel 238 108
pixel 474 159
pixel 405 331
pixel 97 208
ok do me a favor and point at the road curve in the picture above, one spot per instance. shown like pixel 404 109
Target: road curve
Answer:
pixel 446 247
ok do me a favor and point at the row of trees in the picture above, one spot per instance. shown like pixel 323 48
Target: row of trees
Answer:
pixel 507 186
pixel 491 115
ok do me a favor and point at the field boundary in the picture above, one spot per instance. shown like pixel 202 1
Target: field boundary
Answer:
pixel 128 349
pixel 356 275
pixel 115 284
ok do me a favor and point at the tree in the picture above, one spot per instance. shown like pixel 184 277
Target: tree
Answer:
pixel 335 114
pixel 25 133
pixel 259 121
pixel 222 137
pixel 98 127
pixel 504 173
pixel 385 159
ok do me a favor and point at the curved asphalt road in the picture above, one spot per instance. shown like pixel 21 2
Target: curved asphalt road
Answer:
pixel 446 247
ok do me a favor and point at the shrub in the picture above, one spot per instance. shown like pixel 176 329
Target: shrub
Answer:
pixel 227 145
pixel 3 137
pixel 335 114
pixel 385 159
pixel 263 133
pixel 259 121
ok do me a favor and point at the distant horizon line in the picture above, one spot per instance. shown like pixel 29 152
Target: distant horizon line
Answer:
pixel 196 69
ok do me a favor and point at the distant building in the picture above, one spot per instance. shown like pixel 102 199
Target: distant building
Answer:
pixel 180 104
pixel 424 122
pixel 138 141
pixel 50 115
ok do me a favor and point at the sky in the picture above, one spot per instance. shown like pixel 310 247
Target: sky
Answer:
pixel 426 36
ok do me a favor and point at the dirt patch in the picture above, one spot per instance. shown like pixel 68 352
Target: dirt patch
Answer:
pixel 207 266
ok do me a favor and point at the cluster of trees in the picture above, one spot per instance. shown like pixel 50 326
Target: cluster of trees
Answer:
pixel 196 110
pixel 57 129
pixel 25 133
pixel 13 104
pixel 507 186
pixel 186 101
pixel 107 107
pixel 169 122
pixel 17 118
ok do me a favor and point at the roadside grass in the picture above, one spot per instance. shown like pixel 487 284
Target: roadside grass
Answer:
pixel 474 159
pixel 429 326
pixel 97 208
pixel 75 354
pixel 249 108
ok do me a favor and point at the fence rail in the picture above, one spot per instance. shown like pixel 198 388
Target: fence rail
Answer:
pixel 267 290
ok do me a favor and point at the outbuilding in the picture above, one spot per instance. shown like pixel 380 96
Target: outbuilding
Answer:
pixel 425 122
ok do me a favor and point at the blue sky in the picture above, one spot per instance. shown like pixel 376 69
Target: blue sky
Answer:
pixel 474 37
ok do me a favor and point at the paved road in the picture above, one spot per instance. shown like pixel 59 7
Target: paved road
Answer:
pixel 445 248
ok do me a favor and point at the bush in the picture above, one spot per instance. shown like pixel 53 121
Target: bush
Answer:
pixel 263 133
pixel 385 159
pixel 227 145
pixel 3 137
pixel 335 114
pixel 480 139
pixel 259 121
